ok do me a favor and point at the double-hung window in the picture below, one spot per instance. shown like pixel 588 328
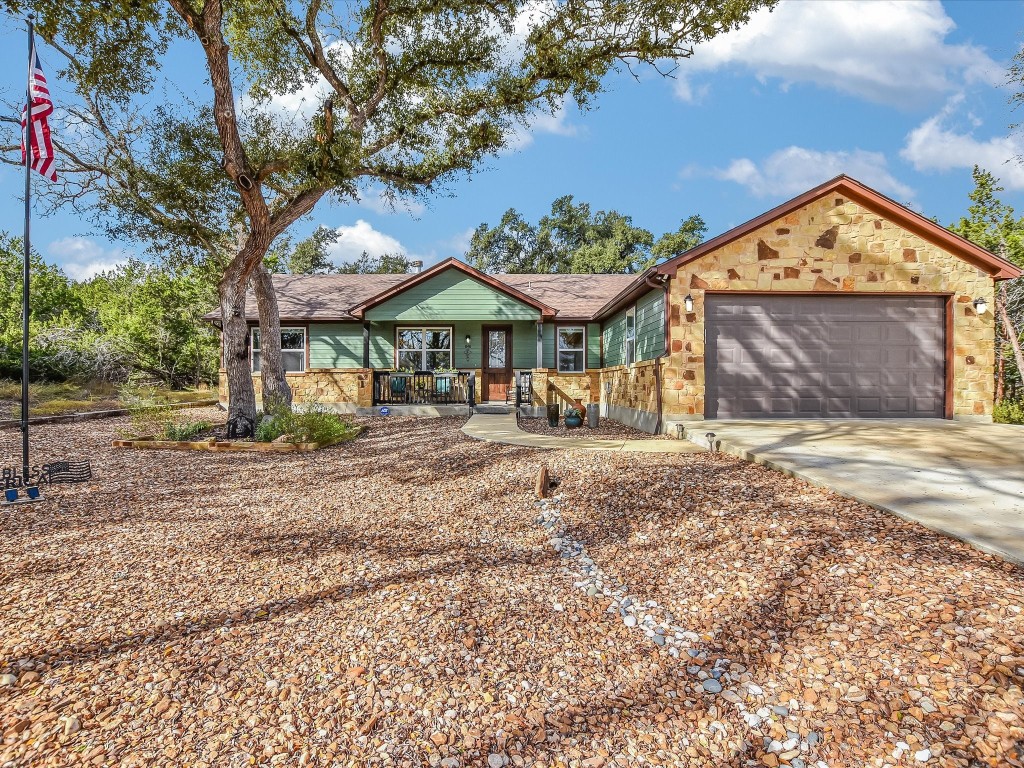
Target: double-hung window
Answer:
pixel 423 349
pixel 631 335
pixel 571 344
pixel 293 350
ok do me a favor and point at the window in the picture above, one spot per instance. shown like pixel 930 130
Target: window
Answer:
pixel 423 349
pixel 293 350
pixel 630 338
pixel 570 350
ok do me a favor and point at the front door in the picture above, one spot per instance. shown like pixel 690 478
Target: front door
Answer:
pixel 497 363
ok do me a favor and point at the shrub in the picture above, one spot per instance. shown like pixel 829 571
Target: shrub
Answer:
pixel 315 424
pixel 184 430
pixel 151 414
pixel 1009 412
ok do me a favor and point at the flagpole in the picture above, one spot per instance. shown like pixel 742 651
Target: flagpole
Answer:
pixel 26 137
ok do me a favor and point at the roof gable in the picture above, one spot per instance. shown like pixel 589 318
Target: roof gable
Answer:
pixel 997 267
pixel 493 285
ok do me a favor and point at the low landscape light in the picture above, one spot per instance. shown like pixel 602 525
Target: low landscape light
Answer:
pixel 688 303
pixel 980 305
pixel 11 494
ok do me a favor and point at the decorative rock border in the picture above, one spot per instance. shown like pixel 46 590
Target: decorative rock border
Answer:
pixel 214 445
pixel 727 680
pixel 69 418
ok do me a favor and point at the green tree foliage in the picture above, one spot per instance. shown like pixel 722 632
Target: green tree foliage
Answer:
pixel 416 94
pixel 689 235
pixel 308 257
pixel 989 222
pixel 137 319
pixel 153 317
pixel 992 225
pixel 384 264
pixel 575 239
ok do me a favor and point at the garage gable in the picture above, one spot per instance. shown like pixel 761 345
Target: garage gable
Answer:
pixel 848 200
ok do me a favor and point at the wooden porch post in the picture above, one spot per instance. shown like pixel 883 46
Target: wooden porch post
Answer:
pixel 366 345
pixel 540 343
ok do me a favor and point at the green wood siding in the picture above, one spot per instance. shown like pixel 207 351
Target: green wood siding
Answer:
pixel 524 342
pixel 650 325
pixel 382 345
pixel 335 345
pixel 549 345
pixel 614 340
pixel 593 346
pixel 449 297
pixel 650 330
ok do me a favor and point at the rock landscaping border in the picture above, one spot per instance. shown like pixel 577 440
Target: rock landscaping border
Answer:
pixel 769 729
pixel 71 418
pixel 214 445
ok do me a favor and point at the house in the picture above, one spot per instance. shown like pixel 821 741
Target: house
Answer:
pixel 839 303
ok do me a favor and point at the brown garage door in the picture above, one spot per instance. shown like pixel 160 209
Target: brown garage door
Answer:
pixel 825 356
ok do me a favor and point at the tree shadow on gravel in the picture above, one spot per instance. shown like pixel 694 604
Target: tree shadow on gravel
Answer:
pixel 463 561
pixel 784 615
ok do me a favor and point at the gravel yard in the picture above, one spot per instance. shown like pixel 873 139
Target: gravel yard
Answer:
pixel 606 429
pixel 393 601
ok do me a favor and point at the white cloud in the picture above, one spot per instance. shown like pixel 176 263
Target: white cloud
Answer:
pixel 889 51
pixel 556 124
pixel 360 237
pixel 935 145
pixel 458 244
pixel 82 258
pixel 376 200
pixel 793 170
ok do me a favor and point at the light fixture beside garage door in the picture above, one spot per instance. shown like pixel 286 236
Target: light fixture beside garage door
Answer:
pixel 688 303
pixel 980 305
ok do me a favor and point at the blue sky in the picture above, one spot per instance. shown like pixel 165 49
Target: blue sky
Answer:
pixel 905 96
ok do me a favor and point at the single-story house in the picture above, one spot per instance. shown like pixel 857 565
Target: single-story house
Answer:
pixel 838 303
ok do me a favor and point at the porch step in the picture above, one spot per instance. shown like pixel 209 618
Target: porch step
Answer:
pixel 497 410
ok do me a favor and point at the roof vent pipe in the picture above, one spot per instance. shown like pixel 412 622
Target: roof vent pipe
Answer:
pixel 415 267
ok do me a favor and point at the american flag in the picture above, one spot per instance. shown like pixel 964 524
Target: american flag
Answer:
pixel 39 128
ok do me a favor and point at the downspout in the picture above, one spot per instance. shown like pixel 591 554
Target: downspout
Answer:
pixel 660 281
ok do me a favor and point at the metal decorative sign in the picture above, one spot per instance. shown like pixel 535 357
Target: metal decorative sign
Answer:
pixel 384 411
pixel 48 474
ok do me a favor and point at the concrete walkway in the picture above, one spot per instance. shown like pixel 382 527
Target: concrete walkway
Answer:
pixel 965 480
pixel 504 429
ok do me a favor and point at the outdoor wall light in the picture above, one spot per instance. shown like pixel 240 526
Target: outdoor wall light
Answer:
pixel 980 306
pixel 468 340
pixel 608 387
pixel 688 303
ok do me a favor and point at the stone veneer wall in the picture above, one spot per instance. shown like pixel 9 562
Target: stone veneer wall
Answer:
pixel 832 244
pixel 550 386
pixel 633 398
pixel 341 389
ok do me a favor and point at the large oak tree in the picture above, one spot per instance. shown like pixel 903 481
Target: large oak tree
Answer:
pixel 408 94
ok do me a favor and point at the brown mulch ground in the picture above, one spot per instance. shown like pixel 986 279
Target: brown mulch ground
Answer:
pixel 606 429
pixel 392 602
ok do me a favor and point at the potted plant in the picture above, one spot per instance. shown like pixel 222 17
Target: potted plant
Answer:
pixel 573 417
pixel 443 378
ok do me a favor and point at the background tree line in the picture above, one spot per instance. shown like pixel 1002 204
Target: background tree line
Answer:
pixel 145 320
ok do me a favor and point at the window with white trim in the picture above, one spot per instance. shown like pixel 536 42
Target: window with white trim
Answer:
pixel 571 346
pixel 423 349
pixel 630 338
pixel 293 350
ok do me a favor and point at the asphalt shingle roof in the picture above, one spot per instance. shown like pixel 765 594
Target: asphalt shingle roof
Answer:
pixel 326 298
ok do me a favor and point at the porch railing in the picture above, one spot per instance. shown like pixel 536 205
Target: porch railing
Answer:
pixel 422 388
pixel 524 389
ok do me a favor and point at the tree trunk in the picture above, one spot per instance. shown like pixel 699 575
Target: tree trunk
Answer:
pixel 1011 332
pixel 235 334
pixel 276 392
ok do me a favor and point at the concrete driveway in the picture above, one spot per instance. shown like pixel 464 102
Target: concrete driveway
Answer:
pixel 965 480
